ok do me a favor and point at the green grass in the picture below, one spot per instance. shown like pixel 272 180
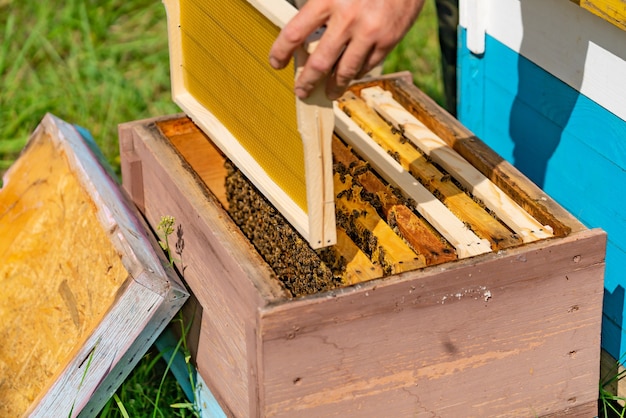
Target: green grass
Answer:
pixel 610 405
pixel 151 390
pixel 419 53
pixel 92 63
pixel 99 63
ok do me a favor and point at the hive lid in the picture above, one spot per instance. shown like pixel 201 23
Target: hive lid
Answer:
pixel 84 292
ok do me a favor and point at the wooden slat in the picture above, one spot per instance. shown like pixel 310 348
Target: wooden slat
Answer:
pixel 499 171
pixel 413 229
pixel 316 125
pixel 492 196
pixel 466 242
pixel 481 222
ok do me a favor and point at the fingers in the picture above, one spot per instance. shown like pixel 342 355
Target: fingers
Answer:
pixel 359 33
pixel 312 16
pixel 320 63
pixel 350 66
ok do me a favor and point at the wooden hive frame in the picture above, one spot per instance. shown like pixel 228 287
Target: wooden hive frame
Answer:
pixel 89 291
pixel 315 220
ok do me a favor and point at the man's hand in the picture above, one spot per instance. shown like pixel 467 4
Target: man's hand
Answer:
pixel 358 36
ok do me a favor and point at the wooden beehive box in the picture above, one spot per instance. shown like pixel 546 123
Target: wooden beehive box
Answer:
pixel 84 293
pixel 511 332
pixel 569 141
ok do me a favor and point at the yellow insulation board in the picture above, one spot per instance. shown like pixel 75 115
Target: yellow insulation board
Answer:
pixel 53 248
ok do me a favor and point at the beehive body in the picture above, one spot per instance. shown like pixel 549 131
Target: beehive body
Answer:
pixel 393 347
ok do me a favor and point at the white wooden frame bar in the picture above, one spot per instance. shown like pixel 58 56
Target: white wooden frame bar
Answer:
pixel 466 243
pixel 512 214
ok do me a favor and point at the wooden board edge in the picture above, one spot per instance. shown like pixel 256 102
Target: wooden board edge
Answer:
pixel 588 409
pixel 613 11
pixel 278 12
pixel 593 241
pixel 109 354
pixel 316 124
pixel 172 9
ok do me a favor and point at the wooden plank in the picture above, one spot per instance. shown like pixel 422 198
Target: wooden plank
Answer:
pixel 589 409
pixel 419 235
pixel 548 322
pixel 492 196
pixel 465 242
pixel 316 124
pixel 437 182
pixel 199 153
pixel 278 12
